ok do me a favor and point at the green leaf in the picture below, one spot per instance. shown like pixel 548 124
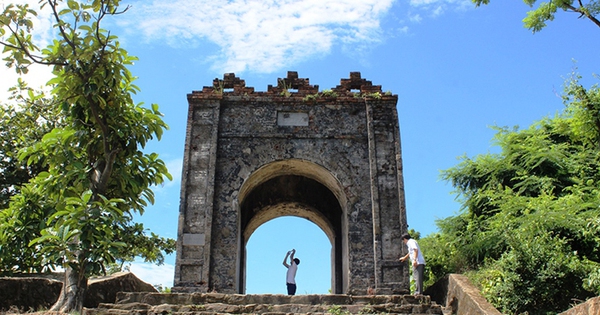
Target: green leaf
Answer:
pixel 73 5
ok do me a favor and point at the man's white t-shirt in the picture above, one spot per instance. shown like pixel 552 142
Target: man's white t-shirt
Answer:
pixel 291 273
pixel 412 245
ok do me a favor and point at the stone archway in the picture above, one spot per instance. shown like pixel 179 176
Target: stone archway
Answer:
pixel 333 158
pixel 295 188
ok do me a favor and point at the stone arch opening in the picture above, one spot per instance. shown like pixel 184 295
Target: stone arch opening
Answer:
pixel 295 188
pixel 266 249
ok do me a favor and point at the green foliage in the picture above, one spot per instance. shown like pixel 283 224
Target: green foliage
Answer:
pixel 337 310
pixel 592 282
pixel 540 274
pixel 584 109
pixel 167 290
pixel 439 256
pixel 367 310
pixel 375 95
pixel 528 232
pixel 19 126
pixel 310 97
pixel 95 174
pixel 285 88
pixel 329 93
pixel 536 19
pixel 414 234
pixel 19 226
pixel 325 93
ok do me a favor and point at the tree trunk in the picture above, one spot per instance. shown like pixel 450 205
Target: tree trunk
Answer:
pixel 72 293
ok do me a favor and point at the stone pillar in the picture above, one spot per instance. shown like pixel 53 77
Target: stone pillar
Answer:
pixel 387 189
pixel 197 191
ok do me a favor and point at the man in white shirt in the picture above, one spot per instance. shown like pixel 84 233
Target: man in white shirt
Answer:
pixel 291 272
pixel 417 259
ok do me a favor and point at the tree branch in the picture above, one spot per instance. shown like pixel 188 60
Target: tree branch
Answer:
pixel 583 12
pixel 21 47
pixel 61 28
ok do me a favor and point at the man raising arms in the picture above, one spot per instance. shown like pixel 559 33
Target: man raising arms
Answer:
pixel 291 272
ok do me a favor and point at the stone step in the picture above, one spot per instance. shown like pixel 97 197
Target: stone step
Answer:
pixel 243 299
pixel 215 303
pixel 145 309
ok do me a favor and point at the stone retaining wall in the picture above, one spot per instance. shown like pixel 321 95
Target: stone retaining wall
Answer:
pixel 457 293
pixel 42 291
pixel 28 293
pixel 590 307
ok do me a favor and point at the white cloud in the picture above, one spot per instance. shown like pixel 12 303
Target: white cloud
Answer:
pixel 438 11
pixel 437 3
pixel 174 166
pixel 436 8
pixel 162 275
pixel 416 18
pixel 38 75
pixel 424 2
pixel 36 78
pixel 258 35
pixel 261 35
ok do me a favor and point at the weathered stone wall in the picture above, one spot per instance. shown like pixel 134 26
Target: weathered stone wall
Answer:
pixel 244 148
pixel 460 296
pixel 28 293
pixel 41 291
pixel 589 307
pixel 333 158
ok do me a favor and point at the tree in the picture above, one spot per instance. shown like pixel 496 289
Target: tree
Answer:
pixel 529 231
pixel 96 175
pixel 536 19
pixel 21 125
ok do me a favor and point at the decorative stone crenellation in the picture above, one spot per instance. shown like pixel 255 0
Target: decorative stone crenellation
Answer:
pixel 289 87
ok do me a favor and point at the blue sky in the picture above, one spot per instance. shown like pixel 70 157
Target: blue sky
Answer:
pixel 457 70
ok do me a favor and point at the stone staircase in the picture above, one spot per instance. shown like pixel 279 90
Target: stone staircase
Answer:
pixel 268 304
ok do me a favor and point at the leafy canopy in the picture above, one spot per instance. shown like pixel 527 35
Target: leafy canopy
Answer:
pixel 21 125
pixel 95 173
pixel 536 19
pixel 529 230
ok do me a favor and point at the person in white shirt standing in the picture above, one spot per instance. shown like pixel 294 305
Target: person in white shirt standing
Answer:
pixel 291 272
pixel 417 259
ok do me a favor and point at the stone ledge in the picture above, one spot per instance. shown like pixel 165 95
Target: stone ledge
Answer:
pixel 245 299
pixel 589 307
pixel 456 292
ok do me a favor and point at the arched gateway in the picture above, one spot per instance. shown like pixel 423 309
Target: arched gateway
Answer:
pixel 332 157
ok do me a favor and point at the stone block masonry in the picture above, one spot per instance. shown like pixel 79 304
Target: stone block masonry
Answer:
pixel 332 157
pixel 223 304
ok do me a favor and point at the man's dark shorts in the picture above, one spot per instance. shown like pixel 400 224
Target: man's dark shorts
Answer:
pixel 291 287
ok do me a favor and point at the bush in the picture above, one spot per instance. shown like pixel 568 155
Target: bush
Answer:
pixel 538 275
